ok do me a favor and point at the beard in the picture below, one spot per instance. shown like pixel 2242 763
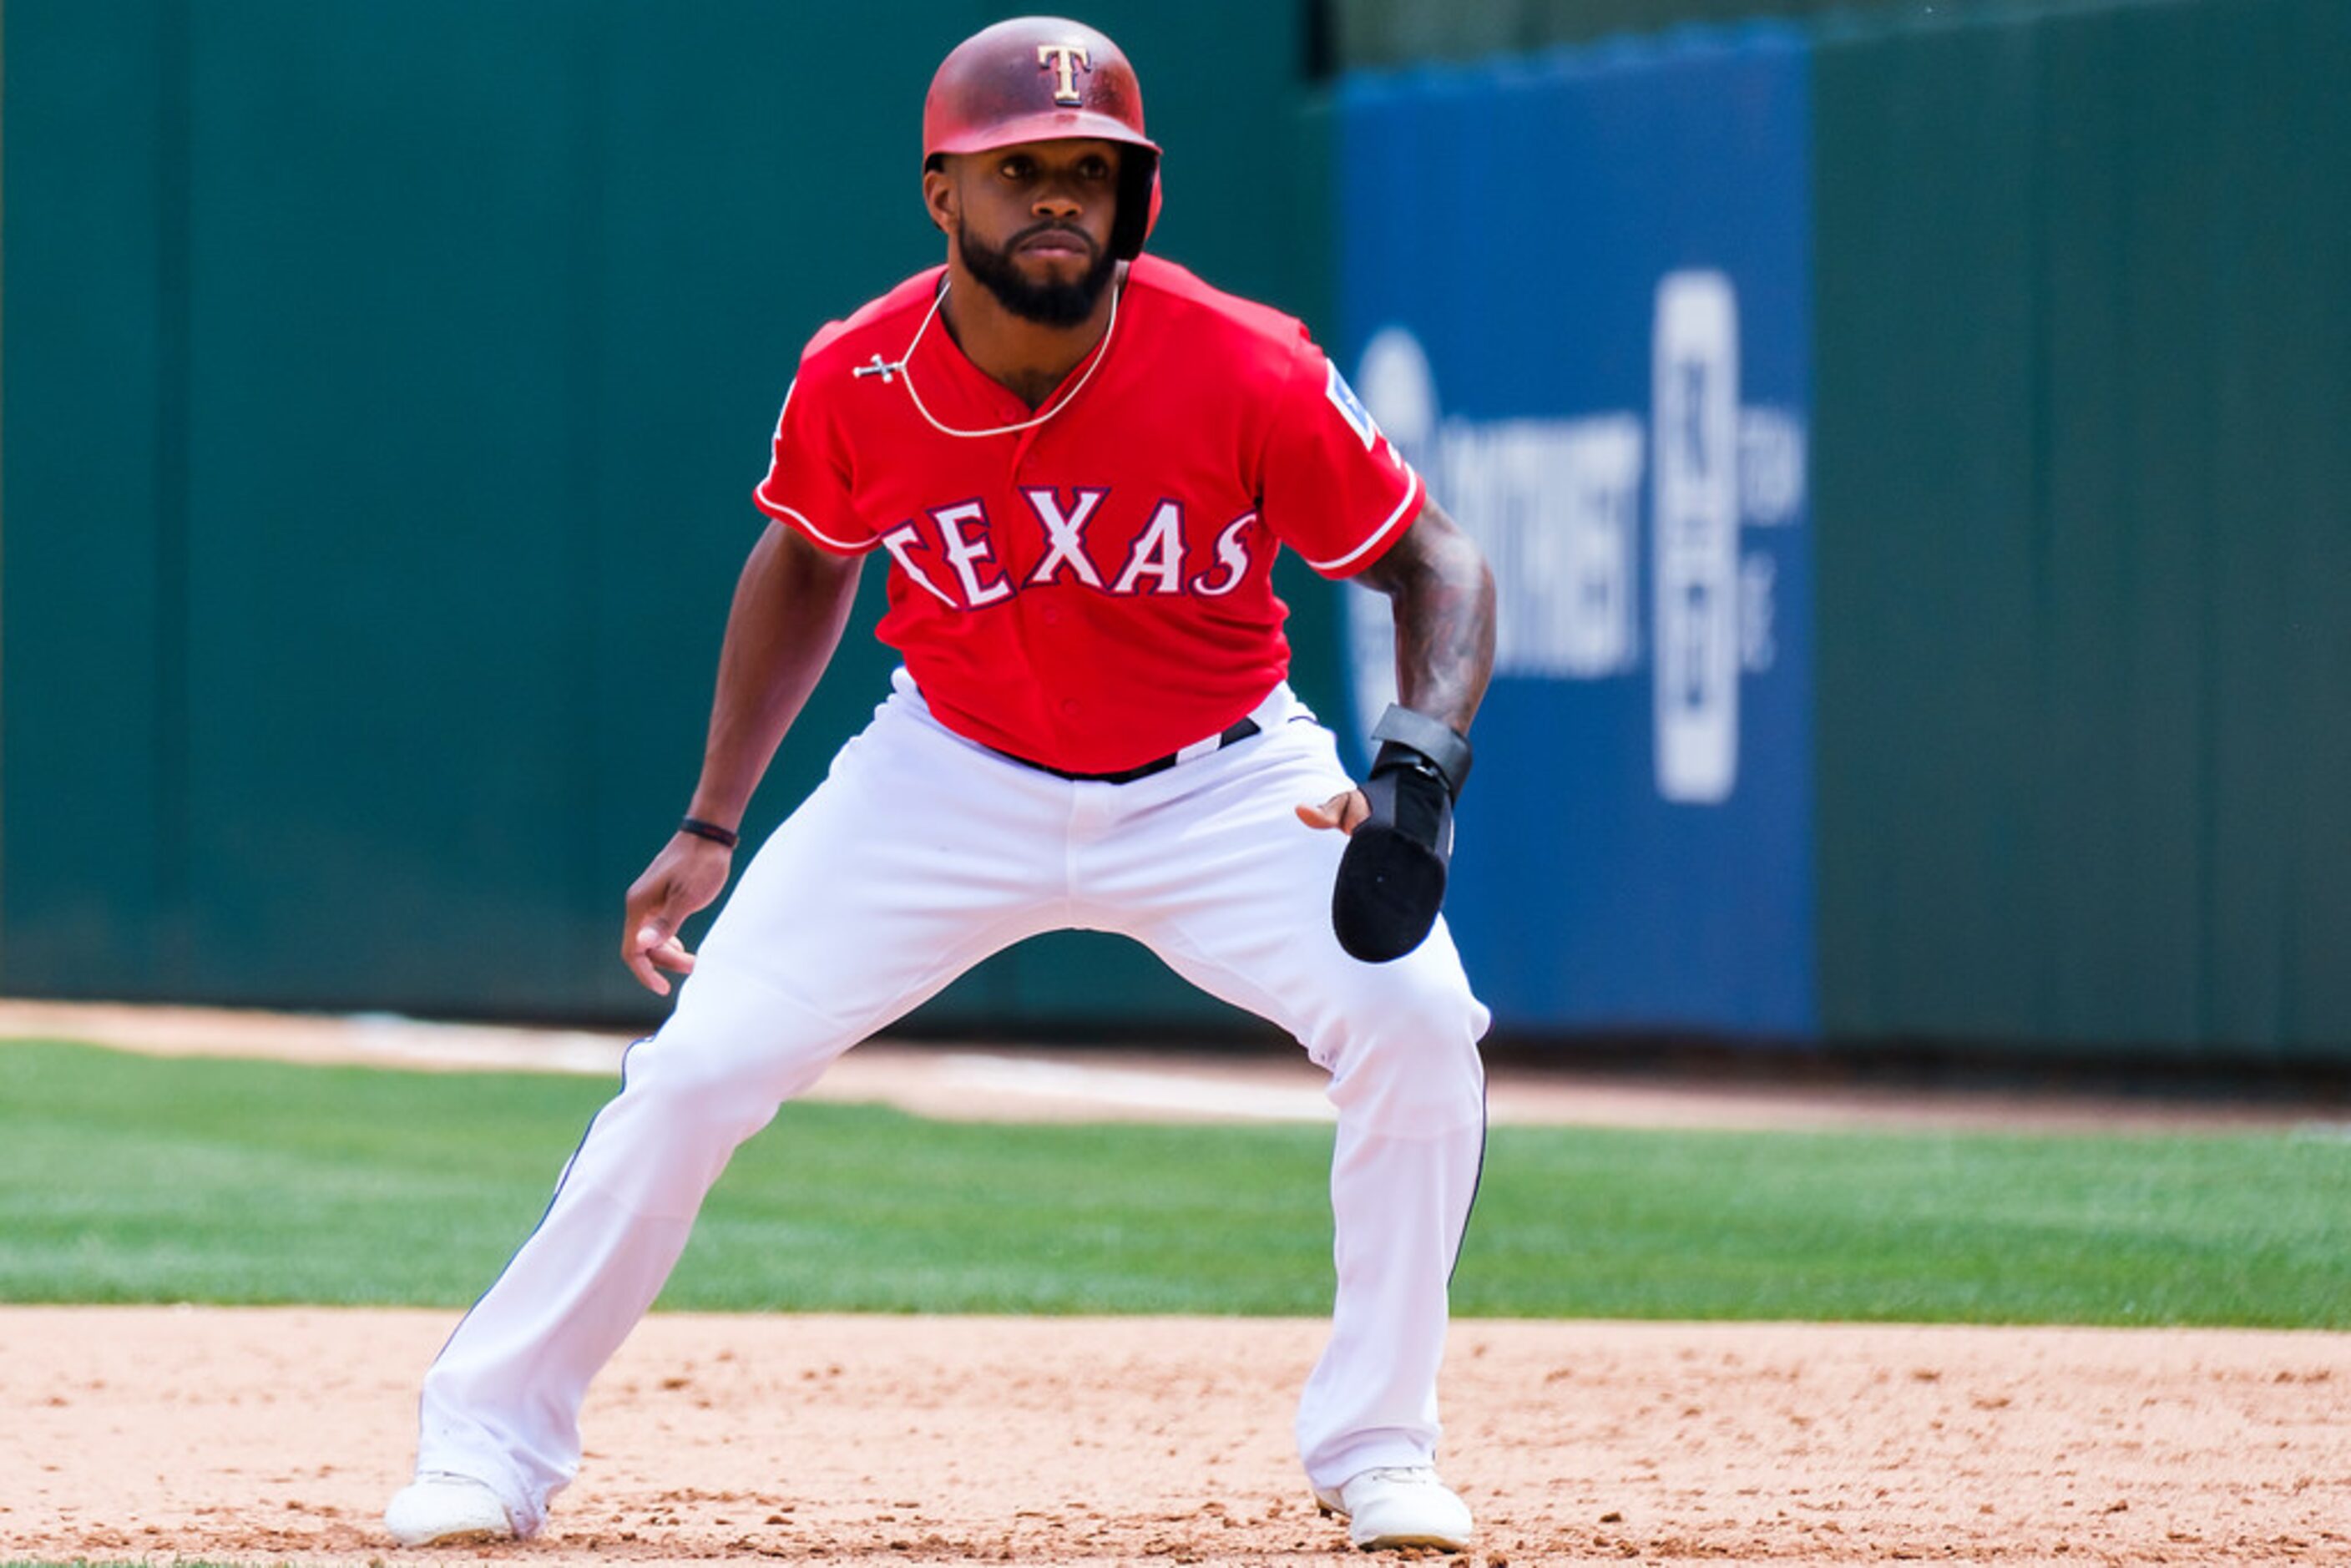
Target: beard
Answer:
pixel 1047 304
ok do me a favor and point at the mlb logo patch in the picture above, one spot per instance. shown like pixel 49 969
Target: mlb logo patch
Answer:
pixel 1351 408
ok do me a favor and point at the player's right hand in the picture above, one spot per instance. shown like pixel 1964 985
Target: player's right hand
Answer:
pixel 684 877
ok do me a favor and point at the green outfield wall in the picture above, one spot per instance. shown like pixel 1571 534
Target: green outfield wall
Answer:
pixel 1354 35
pixel 2083 487
pixel 384 387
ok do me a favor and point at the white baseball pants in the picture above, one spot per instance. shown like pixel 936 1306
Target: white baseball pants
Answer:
pixel 920 854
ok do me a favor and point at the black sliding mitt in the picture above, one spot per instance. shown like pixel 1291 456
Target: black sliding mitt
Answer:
pixel 1392 876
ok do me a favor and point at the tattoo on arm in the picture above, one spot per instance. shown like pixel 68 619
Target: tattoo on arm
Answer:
pixel 1442 594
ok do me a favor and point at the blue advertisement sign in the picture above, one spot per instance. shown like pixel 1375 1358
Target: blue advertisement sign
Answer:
pixel 1575 290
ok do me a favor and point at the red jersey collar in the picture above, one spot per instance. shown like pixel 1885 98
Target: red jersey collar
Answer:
pixel 964 399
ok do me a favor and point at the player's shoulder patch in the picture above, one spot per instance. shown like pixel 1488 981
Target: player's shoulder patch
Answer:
pixel 1350 407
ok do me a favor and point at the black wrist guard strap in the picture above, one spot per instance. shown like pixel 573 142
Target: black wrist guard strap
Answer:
pixel 1437 742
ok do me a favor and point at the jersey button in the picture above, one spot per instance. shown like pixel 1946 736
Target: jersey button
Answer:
pixel 1051 616
pixel 1069 707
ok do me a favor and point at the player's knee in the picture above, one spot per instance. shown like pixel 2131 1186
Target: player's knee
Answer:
pixel 725 1062
pixel 1409 1060
pixel 713 1091
pixel 730 1054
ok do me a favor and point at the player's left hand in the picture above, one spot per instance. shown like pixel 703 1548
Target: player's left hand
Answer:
pixel 1345 812
pixel 1399 828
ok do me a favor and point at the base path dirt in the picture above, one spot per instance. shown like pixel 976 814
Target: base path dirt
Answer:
pixel 257 1436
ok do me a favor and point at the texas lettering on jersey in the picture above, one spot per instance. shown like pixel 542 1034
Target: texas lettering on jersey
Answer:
pixel 1117 552
pixel 961 540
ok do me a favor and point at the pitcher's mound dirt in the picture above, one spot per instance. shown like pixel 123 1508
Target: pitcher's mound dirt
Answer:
pixel 263 1436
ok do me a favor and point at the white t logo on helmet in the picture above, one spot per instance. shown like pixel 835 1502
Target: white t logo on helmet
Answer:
pixel 1064 60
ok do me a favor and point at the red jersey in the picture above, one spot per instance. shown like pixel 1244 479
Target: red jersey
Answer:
pixel 1094 590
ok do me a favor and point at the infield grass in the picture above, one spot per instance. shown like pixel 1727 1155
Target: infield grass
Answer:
pixel 125 1179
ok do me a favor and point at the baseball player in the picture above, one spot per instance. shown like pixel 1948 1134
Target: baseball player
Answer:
pixel 1076 463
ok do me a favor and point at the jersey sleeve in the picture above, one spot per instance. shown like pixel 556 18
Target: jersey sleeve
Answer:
pixel 1333 487
pixel 805 486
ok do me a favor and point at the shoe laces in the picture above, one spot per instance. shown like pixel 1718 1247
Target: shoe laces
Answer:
pixel 1416 1475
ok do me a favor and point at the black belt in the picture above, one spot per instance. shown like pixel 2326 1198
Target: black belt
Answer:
pixel 1241 731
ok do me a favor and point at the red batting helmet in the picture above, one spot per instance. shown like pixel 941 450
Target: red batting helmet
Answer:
pixel 1041 78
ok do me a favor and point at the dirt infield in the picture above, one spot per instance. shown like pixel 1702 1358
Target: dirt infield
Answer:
pixel 263 1435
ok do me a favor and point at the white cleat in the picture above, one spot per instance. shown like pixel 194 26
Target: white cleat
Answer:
pixel 1390 1508
pixel 437 1508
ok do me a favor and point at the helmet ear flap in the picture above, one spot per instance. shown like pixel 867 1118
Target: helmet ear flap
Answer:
pixel 1138 202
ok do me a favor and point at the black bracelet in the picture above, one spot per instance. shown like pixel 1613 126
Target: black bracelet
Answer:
pixel 711 831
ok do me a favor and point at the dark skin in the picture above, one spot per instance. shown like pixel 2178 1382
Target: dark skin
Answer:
pixel 1441 593
pixel 793 599
pixel 1069 190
